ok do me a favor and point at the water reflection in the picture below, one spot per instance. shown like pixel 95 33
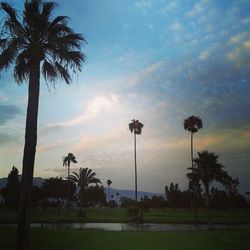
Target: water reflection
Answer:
pixel 133 227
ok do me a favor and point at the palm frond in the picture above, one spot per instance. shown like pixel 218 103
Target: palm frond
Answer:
pixel 63 72
pixel 9 53
pixel 21 70
pixel 48 7
pixel 49 72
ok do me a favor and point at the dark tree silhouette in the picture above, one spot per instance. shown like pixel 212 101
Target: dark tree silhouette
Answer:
pixel 109 182
pixel 117 198
pixel 83 179
pixel 135 127
pixel 193 124
pixel 95 195
pixel 173 195
pixel 11 192
pixel 36 39
pixel 209 169
pixel 66 162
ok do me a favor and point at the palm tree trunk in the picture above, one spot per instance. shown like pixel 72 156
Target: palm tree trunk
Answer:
pixel 194 182
pixel 68 190
pixel 135 167
pixel 109 194
pixel 29 156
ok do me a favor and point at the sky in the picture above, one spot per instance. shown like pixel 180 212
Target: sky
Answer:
pixel 157 61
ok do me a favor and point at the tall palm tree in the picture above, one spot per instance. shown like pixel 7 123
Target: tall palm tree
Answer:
pixel 109 182
pixel 193 124
pixel 135 127
pixel 39 43
pixel 207 170
pixel 66 162
pixel 83 179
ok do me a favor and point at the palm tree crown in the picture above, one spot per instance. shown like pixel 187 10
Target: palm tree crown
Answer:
pixel 109 182
pixel 208 168
pixel 85 177
pixel 135 126
pixel 68 159
pixel 193 124
pixel 39 38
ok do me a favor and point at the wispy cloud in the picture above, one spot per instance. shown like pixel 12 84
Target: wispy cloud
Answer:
pixel 8 112
pixel 95 107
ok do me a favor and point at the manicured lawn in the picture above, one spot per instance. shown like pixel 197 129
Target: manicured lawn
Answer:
pixel 98 240
pixel 119 215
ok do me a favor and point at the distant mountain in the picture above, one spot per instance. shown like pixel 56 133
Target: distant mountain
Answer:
pixel 37 181
pixel 129 193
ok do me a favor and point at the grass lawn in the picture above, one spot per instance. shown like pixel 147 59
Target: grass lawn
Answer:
pixel 94 240
pixel 119 215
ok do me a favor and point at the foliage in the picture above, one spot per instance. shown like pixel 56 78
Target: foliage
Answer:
pixel 11 192
pixel 36 196
pixel 193 124
pixel 154 202
pixel 94 195
pixel 109 182
pixel 135 213
pixel 57 188
pixel 83 179
pixel 135 127
pixel 68 159
pixel 126 202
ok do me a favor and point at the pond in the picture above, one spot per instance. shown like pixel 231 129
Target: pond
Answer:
pixel 134 227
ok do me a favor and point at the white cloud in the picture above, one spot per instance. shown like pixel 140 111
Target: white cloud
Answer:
pixel 176 26
pixel 204 55
pixel 95 107
pixel 240 55
pixel 142 75
pixel 197 9
pixel 237 39
pixel 246 20
pixel 143 5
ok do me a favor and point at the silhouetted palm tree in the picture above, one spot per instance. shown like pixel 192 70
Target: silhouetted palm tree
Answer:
pixel 208 169
pixel 66 162
pixel 85 177
pixel 36 39
pixel 135 127
pixel 109 182
pixel 193 124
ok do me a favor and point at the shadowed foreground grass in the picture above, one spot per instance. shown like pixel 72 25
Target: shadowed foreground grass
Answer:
pixel 119 215
pixel 93 240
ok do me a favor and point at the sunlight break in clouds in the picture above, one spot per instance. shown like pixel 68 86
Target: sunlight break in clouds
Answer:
pixel 94 108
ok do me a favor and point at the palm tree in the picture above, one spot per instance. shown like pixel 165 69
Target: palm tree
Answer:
pixel 193 124
pixel 109 182
pixel 66 162
pixel 83 179
pixel 135 127
pixel 207 170
pixel 36 44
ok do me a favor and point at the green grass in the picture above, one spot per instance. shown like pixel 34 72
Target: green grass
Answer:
pixel 119 215
pixel 94 240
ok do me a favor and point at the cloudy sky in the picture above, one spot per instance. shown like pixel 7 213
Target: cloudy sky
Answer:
pixel 157 61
